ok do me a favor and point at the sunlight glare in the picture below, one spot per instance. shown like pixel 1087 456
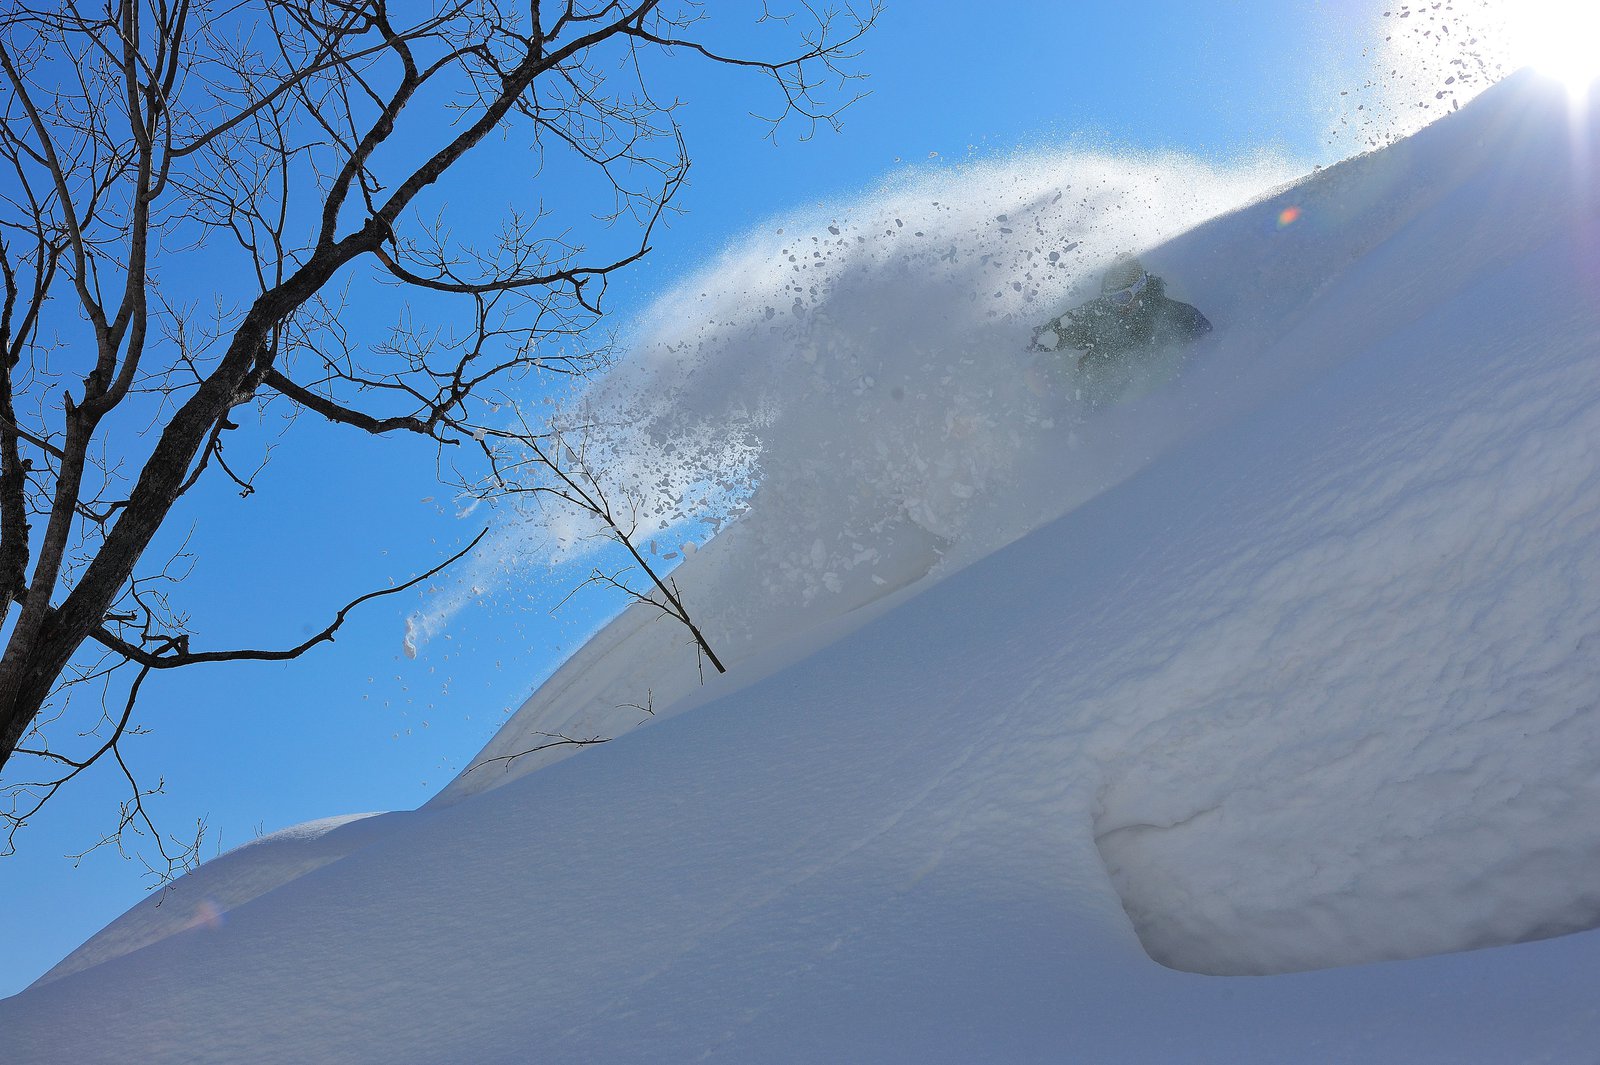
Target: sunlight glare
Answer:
pixel 1558 37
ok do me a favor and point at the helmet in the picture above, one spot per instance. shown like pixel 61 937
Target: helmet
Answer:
pixel 1124 272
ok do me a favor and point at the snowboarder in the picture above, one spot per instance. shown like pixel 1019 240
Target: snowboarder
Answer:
pixel 1131 317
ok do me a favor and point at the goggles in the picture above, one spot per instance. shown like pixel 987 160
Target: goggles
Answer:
pixel 1125 296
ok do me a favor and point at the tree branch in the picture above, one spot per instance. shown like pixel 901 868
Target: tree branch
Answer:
pixel 183 657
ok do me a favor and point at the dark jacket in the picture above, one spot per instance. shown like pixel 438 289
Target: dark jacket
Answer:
pixel 1101 330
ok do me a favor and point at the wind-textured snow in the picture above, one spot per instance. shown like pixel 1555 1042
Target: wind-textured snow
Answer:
pixel 1283 667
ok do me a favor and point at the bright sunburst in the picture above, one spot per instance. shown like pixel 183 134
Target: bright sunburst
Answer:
pixel 1559 37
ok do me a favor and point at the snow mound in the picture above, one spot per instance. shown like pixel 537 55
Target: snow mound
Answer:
pixel 1361 723
pixel 203 898
pixel 1399 605
pixel 1299 678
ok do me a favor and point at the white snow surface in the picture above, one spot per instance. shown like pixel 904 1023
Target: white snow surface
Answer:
pixel 853 385
pixel 1250 719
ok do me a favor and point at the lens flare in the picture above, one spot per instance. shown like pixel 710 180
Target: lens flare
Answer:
pixel 1558 37
pixel 207 915
pixel 1288 216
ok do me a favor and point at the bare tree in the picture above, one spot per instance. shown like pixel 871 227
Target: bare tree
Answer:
pixel 555 462
pixel 196 196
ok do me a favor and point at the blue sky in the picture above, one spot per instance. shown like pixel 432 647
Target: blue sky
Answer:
pixel 357 726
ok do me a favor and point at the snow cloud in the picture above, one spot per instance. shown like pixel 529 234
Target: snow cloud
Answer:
pixel 857 373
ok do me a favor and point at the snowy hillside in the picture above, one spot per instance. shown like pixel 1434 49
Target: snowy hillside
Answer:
pixel 1221 724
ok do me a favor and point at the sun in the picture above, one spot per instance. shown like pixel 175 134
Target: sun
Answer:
pixel 1561 38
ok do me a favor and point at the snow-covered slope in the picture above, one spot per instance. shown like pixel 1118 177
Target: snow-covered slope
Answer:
pixel 1285 667
pixel 856 381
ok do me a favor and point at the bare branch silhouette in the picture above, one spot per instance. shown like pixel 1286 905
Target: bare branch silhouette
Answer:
pixel 197 198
